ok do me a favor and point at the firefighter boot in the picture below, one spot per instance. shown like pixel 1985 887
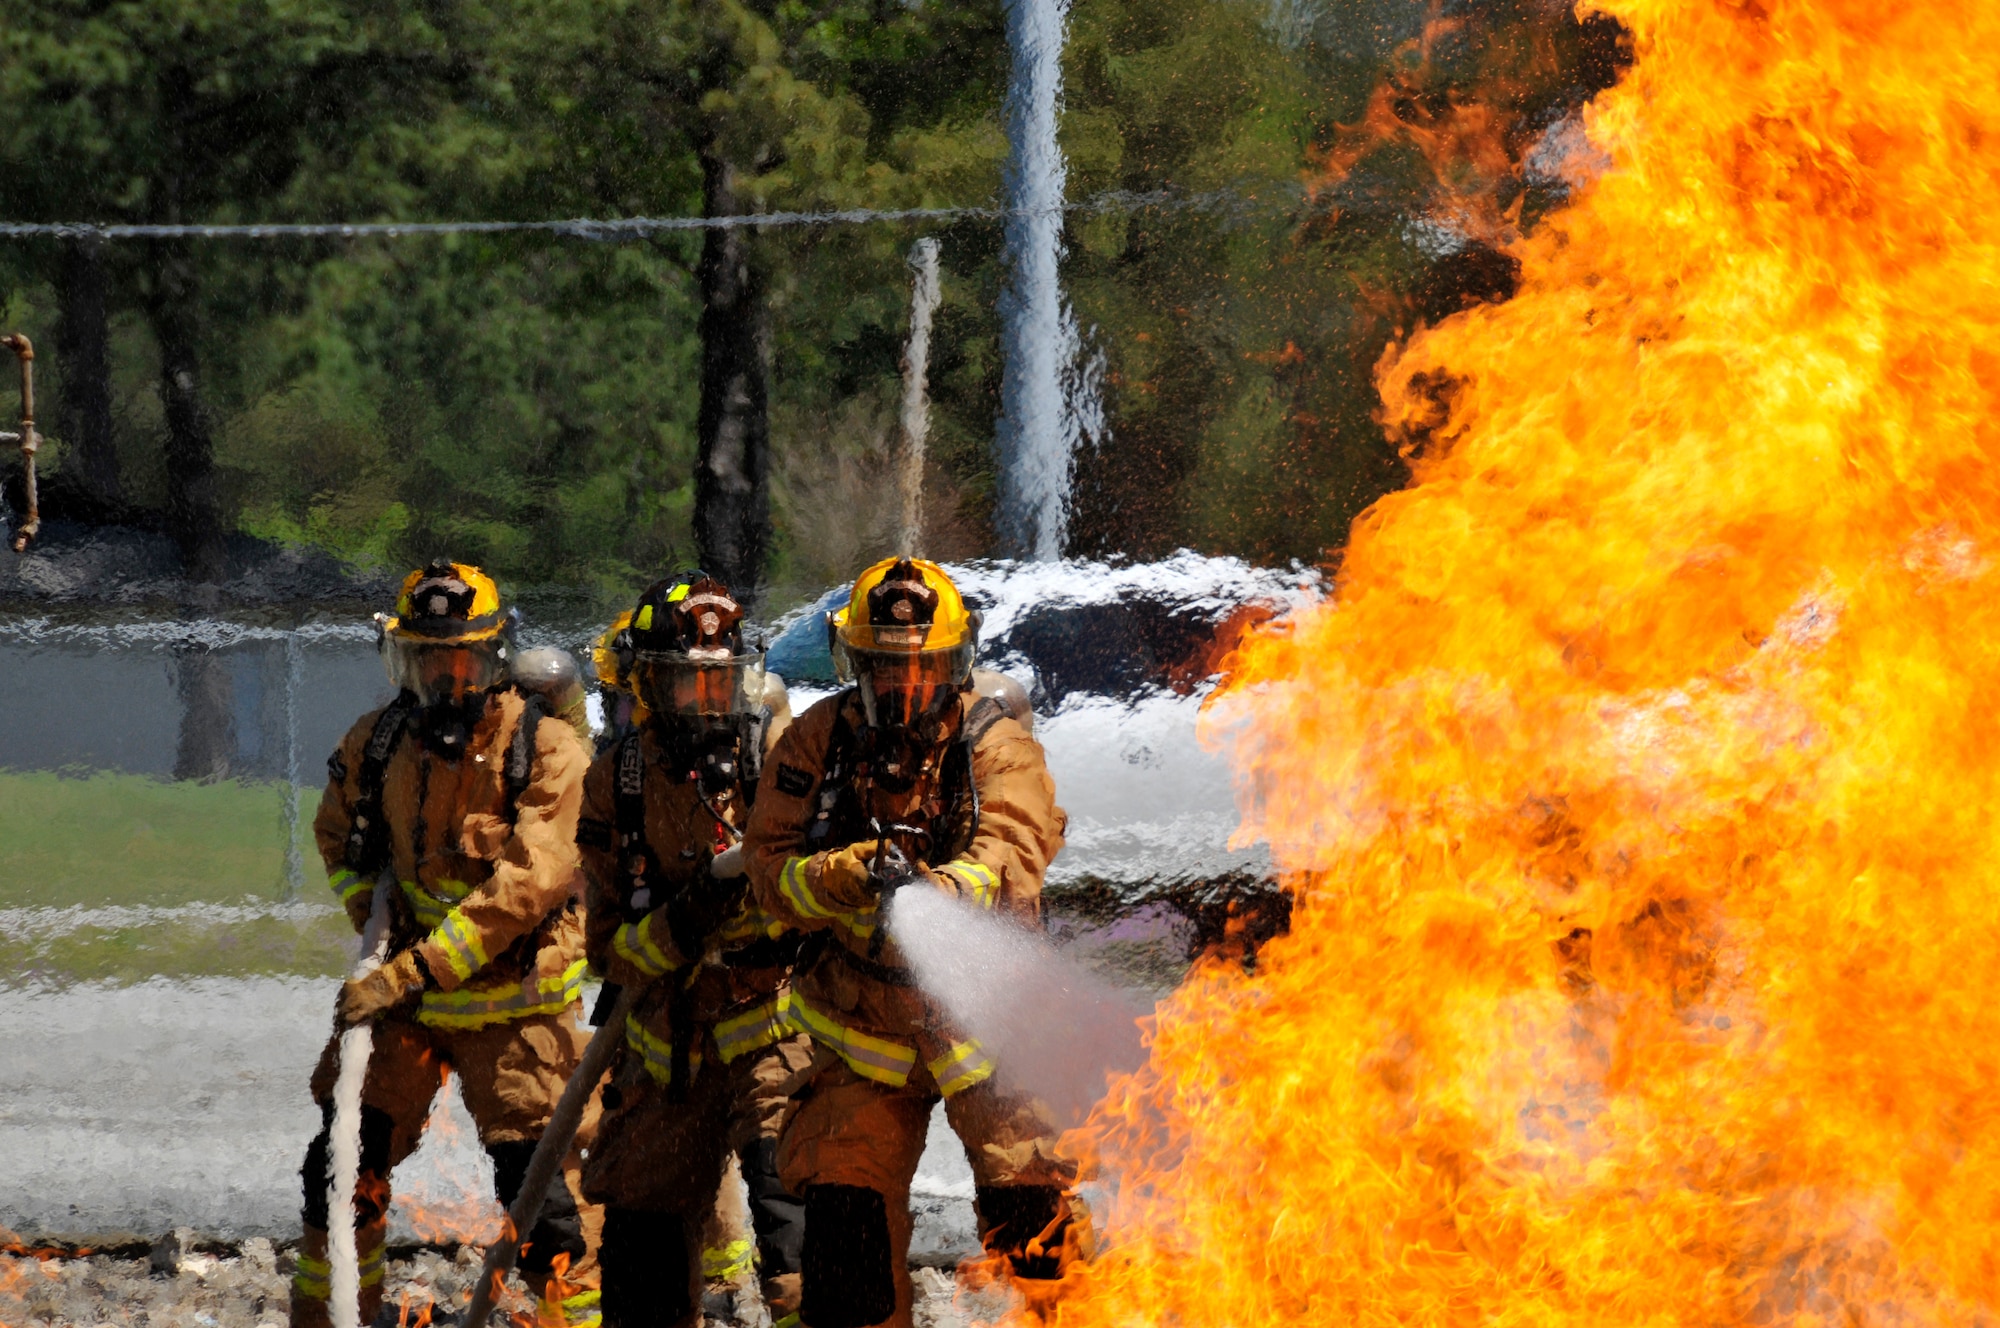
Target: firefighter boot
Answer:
pixel 312 1283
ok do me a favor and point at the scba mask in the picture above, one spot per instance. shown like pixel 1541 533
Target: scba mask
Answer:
pixel 688 659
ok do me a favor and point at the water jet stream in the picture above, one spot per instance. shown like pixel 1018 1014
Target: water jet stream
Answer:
pixel 1055 1030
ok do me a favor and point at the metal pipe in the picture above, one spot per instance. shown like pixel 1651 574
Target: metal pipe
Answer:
pixel 30 441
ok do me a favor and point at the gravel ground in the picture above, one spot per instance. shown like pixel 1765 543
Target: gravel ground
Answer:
pixel 247 1287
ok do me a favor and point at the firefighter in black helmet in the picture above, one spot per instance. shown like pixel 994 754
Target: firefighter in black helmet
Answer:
pixel 707 1059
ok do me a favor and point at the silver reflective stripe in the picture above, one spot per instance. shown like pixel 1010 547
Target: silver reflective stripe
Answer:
pixel 870 1057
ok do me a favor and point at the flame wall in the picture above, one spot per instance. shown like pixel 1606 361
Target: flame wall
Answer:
pixel 1639 782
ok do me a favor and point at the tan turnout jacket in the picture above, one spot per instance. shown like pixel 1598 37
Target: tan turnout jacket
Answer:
pixel 731 997
pixel 882 1027
pixel 487 903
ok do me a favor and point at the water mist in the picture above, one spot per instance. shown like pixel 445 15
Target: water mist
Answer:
pixel 1053 1028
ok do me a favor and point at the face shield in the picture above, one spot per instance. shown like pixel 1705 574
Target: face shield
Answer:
pixel 444 672
pixel 900 689
pixel 699 685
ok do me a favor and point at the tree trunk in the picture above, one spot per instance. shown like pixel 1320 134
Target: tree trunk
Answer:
pixel 732 491
pixel 207 691
pixel 194 517
pixel 83 367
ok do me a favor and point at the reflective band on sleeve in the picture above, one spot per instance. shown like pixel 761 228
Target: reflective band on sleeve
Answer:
pixel 346 884
pixel 313 1279
pixel 656 1053
pixel 434 905
pixel 633 943
pixel 753 1029
pixel 459 940
pixel 791 1320
pixel 792 885
pixel 961 1068
pixel 373 1264
pixel 979 883
pixel 870 1057
pixel 476 1008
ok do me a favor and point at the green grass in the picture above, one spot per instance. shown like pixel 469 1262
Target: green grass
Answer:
pixel 182 949
pixel 128 839
pixel 111 839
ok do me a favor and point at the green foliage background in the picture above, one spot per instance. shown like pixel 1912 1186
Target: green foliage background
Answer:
pixel 529 401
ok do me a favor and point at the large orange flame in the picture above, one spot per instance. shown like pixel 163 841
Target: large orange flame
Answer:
pixel 1638 784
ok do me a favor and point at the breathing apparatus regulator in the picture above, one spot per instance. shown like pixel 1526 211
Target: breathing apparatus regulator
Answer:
pixel 905 642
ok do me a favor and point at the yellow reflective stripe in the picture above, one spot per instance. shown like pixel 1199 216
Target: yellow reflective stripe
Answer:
pixel 789 1321
pixel 346 884
pixel 476 1008
pixel 981 883
pixel 633 943
pixel 582 1309
pixel 657 1054
pixel 964 1066
pixel 459 940
pixel 753 1029
pixel 313 1278
pixel 792 885
pixel 870 1057
pixel 728 1261
pixel 434 905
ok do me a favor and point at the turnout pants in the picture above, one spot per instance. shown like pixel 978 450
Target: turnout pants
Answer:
pixel 853 1146
pixel 511 1075
pixel 657 1166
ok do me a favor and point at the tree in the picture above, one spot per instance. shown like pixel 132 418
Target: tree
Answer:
pixel 173 113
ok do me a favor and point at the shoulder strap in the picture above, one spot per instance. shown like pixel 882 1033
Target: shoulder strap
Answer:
pixel 750 753
pixel 628 811
pixel 980 719
pixel 836 810
pixel 367 851
pixel 520 771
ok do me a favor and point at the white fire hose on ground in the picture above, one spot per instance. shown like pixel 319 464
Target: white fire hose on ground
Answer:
pixel 357 1044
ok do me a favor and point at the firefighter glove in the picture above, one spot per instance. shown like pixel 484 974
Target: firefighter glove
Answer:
pixel 728 864
pixel 375 994
pixel 845 880
pixel 359 905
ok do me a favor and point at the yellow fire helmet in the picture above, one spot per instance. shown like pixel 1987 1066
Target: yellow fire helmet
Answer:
pixel 611 655
pixel 906 639
pixel 450 636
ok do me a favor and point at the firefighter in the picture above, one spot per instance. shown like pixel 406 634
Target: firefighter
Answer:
pixel 906 777
pixel 467 790
pixel 708 1063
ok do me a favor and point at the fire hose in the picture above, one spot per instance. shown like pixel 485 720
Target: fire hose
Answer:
pixel 30 441
pixel 561 1130
pixel 549 1153
pixel 357 1044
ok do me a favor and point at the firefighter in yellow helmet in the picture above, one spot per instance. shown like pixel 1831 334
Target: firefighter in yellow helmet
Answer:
pixel 708 1064
pixel 460 797
pixel 905 779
